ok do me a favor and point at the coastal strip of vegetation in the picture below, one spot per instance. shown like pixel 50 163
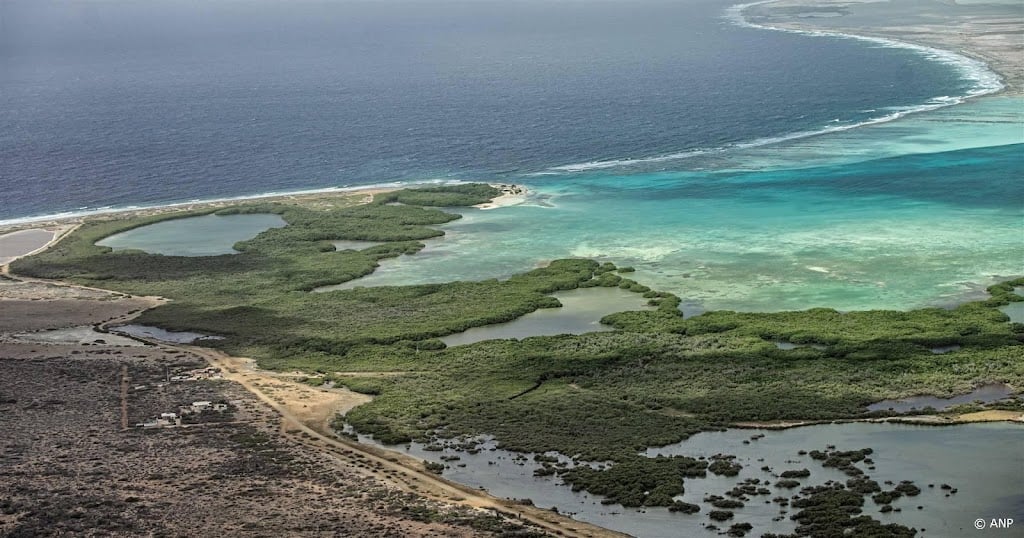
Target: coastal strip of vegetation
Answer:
pixel 599 396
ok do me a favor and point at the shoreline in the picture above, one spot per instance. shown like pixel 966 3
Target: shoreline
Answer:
pixel 60 225
pixel 511 194
pixel 115 213
pixel 993 75
pixel 965 35
pixel 938 419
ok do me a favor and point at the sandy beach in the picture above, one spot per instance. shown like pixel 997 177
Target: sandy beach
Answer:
pixel 986 31
pixel 17 237
pixel 328 197
pixel 510 195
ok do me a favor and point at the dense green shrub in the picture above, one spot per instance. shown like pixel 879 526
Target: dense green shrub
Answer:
pixel 655 381
pixel 637 481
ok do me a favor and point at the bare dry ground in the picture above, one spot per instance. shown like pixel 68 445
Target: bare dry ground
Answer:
pixel 68 467
pixel 35 306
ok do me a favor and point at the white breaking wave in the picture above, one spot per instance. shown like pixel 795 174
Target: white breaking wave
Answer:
pixel 86 212
pixel 612 163
pixel 984 81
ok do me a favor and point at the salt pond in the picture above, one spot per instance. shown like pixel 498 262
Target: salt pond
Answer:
pixel 177 337
pixel 347 244
pixel 207 235
pixel 581 312
pixel 981 460
pixel 82 335
pixel 17 244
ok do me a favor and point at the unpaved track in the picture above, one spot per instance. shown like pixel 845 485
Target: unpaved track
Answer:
pixel 400 470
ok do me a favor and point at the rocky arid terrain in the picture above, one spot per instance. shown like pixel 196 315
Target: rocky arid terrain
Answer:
pixel 68 465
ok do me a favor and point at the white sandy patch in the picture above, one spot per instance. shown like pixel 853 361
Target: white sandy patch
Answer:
pixel 511 195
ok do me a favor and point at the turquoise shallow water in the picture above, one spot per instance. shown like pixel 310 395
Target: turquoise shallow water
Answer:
pixel 668 135
pixel 141 103
pixel 926 210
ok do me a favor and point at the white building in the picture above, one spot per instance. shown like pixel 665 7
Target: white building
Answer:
pixel 199 407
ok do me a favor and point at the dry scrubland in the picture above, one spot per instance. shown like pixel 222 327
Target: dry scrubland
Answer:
pixel 68 468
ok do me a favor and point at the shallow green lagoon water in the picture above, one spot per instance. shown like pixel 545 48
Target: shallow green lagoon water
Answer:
pixel 1015 311
pixel 208 235
pixel 581 312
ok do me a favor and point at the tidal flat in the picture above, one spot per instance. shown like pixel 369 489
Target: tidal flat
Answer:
pixel 156 333
pixel 986 483
pixel 983 395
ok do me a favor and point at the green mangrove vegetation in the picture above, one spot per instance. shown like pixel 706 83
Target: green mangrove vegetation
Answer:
pixel 637 481
pixel 834 512
pixel 257 299
pixel 598 396
pixel 441 196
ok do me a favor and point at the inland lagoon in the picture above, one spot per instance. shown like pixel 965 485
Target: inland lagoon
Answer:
pixel 964 472
pixel 581 312
pixel 156 333
pixel 206 235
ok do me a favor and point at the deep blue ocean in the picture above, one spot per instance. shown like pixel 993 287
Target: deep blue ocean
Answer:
pixel 121 103
pixel 663 135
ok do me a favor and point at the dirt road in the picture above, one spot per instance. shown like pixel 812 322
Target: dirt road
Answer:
pixel 402 470
pixel 306 413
